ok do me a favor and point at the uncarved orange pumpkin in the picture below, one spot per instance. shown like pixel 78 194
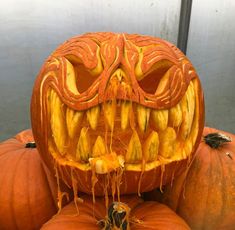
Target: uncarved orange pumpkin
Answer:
pixel 117 113
pixel 28 191
pixel 205 195
pixel 141 215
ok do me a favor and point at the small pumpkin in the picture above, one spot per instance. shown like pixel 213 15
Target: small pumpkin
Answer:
pixel 131 213
pixel 28 191
pixel 205 194
pixel 117 113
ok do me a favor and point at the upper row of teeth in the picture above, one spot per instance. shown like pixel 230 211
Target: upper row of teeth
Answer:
pixel 161 118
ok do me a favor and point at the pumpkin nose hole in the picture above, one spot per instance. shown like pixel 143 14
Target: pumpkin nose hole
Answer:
pixel 119 75
pixel 118 82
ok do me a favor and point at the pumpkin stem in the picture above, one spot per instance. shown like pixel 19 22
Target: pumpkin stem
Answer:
pixel 215 140
pixel 117 217
pixel 30 145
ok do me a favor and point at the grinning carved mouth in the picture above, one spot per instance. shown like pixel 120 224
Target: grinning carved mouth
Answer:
pixel 122 134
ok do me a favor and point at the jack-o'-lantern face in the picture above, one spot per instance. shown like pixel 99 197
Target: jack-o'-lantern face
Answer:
pixel 117 112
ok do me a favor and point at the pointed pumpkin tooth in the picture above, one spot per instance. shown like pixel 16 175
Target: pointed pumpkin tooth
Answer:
pixel 191 102
pixel 93 116
pixel 175 116
pixel 160 119
pixel 195 124
pixel 125 114
pixel 134 151
pixel 57 122
pixel 143 114
pixel 188 108
pixel 83 150
pixel 52 92
pixel 71 78
pixel 167 141
pixel 109 110
pixel 188 147
pixel 73 119
pixel 179 150
pixel 99 147
pixel 151 146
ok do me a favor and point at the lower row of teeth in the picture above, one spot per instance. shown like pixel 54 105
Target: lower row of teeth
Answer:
pixel 169 126
pixel 154 145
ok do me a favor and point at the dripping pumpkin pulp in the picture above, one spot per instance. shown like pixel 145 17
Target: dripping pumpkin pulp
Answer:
pixel 117 113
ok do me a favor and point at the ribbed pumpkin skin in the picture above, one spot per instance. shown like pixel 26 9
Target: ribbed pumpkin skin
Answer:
pixel 152 215
pixel 27 189
pixel 206 198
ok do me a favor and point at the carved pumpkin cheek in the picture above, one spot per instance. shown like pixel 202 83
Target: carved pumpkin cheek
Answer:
pixel 121 121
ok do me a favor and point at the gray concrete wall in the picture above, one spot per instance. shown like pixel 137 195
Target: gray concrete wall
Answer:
pixel 211 48
pixel 31 30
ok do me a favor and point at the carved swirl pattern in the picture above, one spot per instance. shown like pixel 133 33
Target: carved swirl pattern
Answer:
pixel 103 53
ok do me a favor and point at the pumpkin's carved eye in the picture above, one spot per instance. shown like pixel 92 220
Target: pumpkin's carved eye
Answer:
pixel 84 79
pixel 78 78
pixel 150 81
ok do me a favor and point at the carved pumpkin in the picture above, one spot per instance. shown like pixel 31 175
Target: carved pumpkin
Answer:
pixel 205 194
pixel 28 191
pixel 117 113
pixel 133 214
